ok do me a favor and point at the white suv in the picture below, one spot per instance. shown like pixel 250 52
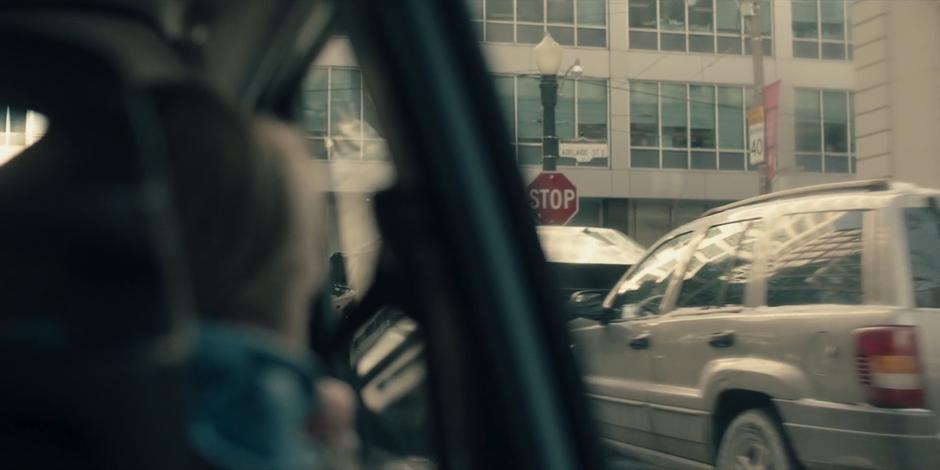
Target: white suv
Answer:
pixel 800 328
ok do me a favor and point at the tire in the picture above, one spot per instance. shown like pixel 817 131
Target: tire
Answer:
pixel 755 441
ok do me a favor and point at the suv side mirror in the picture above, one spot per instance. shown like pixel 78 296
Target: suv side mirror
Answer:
pixel 589 304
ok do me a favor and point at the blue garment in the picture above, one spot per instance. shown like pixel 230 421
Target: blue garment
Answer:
pixel 249 401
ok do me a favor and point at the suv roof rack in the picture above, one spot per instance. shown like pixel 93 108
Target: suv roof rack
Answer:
pixel 880 184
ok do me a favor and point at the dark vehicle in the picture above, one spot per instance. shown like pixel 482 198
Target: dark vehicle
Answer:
pixel 587 258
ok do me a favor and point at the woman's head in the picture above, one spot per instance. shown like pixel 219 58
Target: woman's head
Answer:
pixel 249 211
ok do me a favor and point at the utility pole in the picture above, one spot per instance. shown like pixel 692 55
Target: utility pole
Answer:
pixel 549 88
pixel 750 9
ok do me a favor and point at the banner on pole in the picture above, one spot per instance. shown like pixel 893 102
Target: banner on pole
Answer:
pixel 771 103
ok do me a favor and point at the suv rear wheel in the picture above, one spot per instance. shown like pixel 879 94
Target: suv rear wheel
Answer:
pixel 755 441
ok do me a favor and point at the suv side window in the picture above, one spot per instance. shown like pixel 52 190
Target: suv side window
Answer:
pixel 642 293
pixel 816 258
pixel 719 270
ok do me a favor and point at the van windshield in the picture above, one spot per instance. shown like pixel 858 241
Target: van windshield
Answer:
pixel 923 240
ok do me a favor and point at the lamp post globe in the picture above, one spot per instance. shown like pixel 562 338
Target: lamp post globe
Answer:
pixel 548 56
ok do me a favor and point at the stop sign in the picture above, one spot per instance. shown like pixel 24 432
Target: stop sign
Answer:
pixel 553 197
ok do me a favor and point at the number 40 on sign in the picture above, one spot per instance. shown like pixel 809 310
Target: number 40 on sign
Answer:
pixel 755 135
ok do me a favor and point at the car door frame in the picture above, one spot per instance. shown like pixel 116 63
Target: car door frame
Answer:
pixel 670 403
pixel 506 391
pixel 641 325
pixel 621 402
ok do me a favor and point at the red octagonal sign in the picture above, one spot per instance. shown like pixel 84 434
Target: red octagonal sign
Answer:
pixel 553 197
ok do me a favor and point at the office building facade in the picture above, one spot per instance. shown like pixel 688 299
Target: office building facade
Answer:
pixel 666 86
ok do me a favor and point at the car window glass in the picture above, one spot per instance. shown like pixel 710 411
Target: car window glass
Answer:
pixel 642 292
pixel 923 238
pixel 647 149
pixel 348 145
pixel 384 357
pixel 816 258
pixel 720 267
pixel 20 128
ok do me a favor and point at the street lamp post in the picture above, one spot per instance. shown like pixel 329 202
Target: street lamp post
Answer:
pixel 549 89
pixel 548 61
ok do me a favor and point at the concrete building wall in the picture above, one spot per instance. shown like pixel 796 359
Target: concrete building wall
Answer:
pixel 620 64
pixel 897 101
pixel 646 202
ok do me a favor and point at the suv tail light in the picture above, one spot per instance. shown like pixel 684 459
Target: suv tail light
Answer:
pixel 888 366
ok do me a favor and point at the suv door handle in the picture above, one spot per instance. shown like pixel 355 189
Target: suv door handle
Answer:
pixel 722 339
pixel 640 341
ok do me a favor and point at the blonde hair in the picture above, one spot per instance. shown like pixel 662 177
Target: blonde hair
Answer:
pixel 250 211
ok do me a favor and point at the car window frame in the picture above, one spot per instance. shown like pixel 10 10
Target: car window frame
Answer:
pixel 668 303
pixel 748 297
pixel 873 291
pixel 485 308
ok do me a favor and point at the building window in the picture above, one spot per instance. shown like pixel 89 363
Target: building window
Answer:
pixel 571 22
pixel 706 26
pixel 339 116
pixel 687 126
pixel 580 115
pixel 820 30
pixel 824 131
pixel 19 129
pixel 15 126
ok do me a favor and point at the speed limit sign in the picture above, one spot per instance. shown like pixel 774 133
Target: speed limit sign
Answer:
pixel 755 135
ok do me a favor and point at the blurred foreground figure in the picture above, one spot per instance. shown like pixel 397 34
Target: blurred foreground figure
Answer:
pixel 252 219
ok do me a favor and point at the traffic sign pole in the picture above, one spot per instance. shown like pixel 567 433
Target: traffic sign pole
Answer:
pixel 750 9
